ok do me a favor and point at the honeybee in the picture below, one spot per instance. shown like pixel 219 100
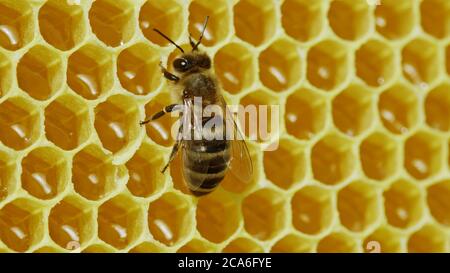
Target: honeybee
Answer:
pixel 205 160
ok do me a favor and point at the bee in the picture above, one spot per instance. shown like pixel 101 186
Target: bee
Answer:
pixel 205 161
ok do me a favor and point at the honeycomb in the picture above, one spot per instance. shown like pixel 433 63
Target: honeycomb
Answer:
pixel 363 157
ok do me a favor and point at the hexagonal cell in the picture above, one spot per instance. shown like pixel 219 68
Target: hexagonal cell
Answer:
pixel 112 21
pixel 44 172
pixel 93 174
pixel 8 179
pixel 61 24
pixel 70 221
pixel 375 63
pixel 358 206
pixel 170 218
pixel 217 29
pixel 197 246
pixel 379 155
pixel 305 114
pixel 67 122
pixel 437 107
pixel 403 204
pixel 311 24
pixel 47 249
pixel 90 71
pixel 435 17
pixel 279 65
pixel 234 66
pixel 293 243
pixel 429 239
pixel 420 62
pixel 39 72
pixel 438 198
pixel 254 21
pixel 218 216
pixel 17 24
pixel 20 123
pixel 395 20
pixel 120 221
pixel 338 242
pixel 264 214
pixel 21 224
pixel 389 240
pixel 99 248
pixel 165 15
pixel 286 165
pixel 327 65
pixel 349 19
pixel 353 111
pixel 398 108
pixel 6 75
pixel 117 122
pixel 243 245
pixel 423 155
pixel 137 69
pixel 332 159
pixel 148 247
pixel 312 210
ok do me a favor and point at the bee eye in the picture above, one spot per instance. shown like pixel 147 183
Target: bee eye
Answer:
pixel 181 65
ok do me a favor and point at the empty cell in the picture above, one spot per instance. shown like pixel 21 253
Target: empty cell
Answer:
pixel 70 222
pixel 286 165
pixel 112 21
pixel 138 70
pixel 353 110
pixel 438 198
pixel 305 114
pixel 311 24
pixel 218 216
pixel 374 62
pixel 243 245
pixel 235 67
pixel 93 174
pixel 254 21
pixel 327 65
pixel 435 17
pixel 332 159
pixel 384 240
pixel 379 155
pixel 144 169
pixel 338 242
pixel 217 29
pixel 44 172
pixel 120 221
pixel 117 122
pixel 6 75
pixel 420 62
pixel 429 239
pixel 99 248
pixel 423 155
pixel 21 224
pixel 90 71
pixel 17 25
pixel 67 122
pixel 61 24
pixel 47 249
pixel 148 247
pixel 170 218
pixel 437 107
pixel 312 210
pixel 39 72
pixel 398 108
pixel 293 243
pixel 164 15
pixel 349 19
pixel 264 213
pixel 403 204
pixel 359 206
pixel 20 123
pixel 395 19
pixel 197 246
pixel 279 65
pixel 8 179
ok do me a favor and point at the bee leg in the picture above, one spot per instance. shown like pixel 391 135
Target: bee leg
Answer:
pixel 167 74
pixel 167 109
pixel 172 155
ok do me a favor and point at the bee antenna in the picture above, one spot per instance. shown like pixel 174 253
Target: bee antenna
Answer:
pixel 168 39
pixel 201 36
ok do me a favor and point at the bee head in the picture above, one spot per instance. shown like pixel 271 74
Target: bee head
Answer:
pixel 193 61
